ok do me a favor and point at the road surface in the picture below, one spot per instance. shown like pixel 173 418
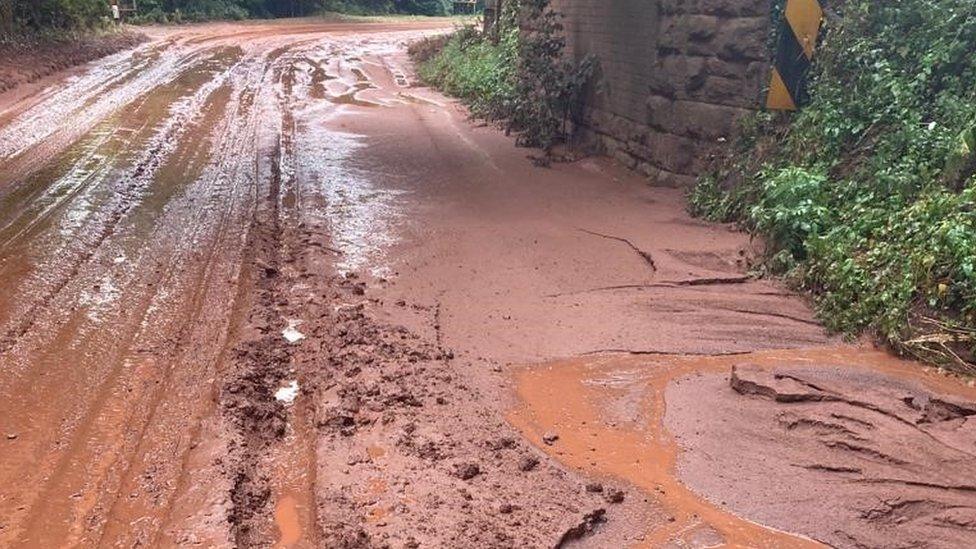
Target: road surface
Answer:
pixel 260 288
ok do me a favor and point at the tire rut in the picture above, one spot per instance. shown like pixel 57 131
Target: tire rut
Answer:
pixel 126 198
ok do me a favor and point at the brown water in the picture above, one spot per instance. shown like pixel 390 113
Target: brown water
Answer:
pixel 288 522
pixel 608 413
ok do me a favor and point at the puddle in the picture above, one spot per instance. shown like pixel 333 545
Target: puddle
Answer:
pixel 288 523
pixel 608 413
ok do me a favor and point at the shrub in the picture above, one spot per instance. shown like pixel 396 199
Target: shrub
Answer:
pixel 477 70
pixel 358 7
pixel 425 7
pixel 866 196
pixel 518 74
pixel 19 15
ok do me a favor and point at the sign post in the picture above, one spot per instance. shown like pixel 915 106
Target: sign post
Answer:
pixel 794 52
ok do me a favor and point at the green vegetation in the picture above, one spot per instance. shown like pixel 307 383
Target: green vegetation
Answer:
pixel 24 16
pixel 31 16
pixel 469 66
pixel 517 73
pixel 867 197
pixel 163 11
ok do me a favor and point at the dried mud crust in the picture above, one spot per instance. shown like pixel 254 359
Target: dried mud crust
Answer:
pixel 31 60
pixel 850 458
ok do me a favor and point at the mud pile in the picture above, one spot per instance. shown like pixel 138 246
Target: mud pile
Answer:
pixel 412 455
pixel 849 457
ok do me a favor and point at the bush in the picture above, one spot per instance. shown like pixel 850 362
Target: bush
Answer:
pixel 519 74
pixel 866 196
pixel 358 7
pixel 475 69
pixel 20 15
pixel 425 7
pixel 163 11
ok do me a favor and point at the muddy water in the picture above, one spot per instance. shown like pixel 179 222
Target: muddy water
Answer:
pixel 608 412
pixel 129 197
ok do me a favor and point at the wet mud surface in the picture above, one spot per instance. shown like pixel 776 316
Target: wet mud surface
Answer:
pixel 843 446
pixel 260 289
pixel 852 448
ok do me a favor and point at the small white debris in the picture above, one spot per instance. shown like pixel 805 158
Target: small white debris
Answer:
pixel 291 333
pixel 288 393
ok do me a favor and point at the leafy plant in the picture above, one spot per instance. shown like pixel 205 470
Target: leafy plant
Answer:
pixel 473 68
pixel 518 73
pixel 17 16
pixel 866 196
pixel 425 7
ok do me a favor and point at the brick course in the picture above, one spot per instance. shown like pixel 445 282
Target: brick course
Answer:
pixel 675 76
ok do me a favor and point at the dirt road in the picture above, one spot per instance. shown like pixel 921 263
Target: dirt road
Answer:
pixel 258 288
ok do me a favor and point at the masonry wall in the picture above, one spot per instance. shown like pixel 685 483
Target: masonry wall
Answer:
pixel 676 75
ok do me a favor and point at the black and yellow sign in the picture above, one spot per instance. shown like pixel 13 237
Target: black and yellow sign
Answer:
pixel 794 52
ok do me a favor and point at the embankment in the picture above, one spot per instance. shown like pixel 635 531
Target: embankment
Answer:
pixel 26 59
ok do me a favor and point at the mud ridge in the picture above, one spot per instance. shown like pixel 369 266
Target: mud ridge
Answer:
pixel 897 457
pixel 260 364
pixel 30 60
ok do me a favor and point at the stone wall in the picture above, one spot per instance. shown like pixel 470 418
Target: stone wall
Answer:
pixel 675 77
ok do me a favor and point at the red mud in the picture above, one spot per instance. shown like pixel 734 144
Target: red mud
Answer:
pixel 29 60
pixel 849 447
pixel 258 288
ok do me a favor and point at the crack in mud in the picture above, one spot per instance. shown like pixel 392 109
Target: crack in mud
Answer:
pixel 652 352
pixel 694 282
pixel 644 255
pixel 876 436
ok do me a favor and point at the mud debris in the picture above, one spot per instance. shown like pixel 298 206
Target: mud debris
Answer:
pixel 884 444
pixel 528 463
pixel 467 471
pixel 381 382
pixel 614 495
pixel 587 525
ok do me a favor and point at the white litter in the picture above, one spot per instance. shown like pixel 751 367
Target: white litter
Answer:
pixel 291 333
pixel 288 393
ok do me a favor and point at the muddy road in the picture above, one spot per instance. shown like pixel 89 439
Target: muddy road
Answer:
pixel 259 288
